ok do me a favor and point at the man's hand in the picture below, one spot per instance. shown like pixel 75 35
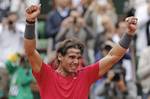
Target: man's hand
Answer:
pixel 132 24
pixel 81 22
pixel 32 12
pixel 67 23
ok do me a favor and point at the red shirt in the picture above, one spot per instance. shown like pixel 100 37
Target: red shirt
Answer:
pixel 55 86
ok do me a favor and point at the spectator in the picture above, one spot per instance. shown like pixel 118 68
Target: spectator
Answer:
pixel 55 17
pixel 4 8
pixel 143 72
pixel 143 13
pixel 11 37
pixel 20 77
pixel 19 6
pixel 113 85
pixel 74 26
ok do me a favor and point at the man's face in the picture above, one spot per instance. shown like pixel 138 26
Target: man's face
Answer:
pixel 12 18
pixel 70 61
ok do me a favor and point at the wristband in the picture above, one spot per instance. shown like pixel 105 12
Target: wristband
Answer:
pixel 30 22
pixel 29 31
pixel 125 40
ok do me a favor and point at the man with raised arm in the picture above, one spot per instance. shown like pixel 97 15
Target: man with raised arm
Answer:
pixel 68 81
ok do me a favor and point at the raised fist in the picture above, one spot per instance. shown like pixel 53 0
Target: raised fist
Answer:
pixel 32 12
pixel 131 24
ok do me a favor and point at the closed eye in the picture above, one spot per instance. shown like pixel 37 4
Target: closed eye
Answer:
pixel 79 58
pixel 72 57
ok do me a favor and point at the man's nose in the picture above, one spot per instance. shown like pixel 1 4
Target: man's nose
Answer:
pixel 76 61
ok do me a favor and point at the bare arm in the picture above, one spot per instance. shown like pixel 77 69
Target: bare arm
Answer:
pixel 29 41
pixel 118 51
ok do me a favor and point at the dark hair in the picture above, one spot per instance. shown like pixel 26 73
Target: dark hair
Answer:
pixel 70 43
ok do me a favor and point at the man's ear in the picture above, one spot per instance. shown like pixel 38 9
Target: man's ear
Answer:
pixel 59 56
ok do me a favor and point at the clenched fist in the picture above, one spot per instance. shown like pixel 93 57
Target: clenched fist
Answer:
pixel 32 12
pixel 132 24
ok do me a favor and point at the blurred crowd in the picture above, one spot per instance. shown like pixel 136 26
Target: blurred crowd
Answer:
pixel 97 24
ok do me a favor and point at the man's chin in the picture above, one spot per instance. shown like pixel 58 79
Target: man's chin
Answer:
pixel 73 70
